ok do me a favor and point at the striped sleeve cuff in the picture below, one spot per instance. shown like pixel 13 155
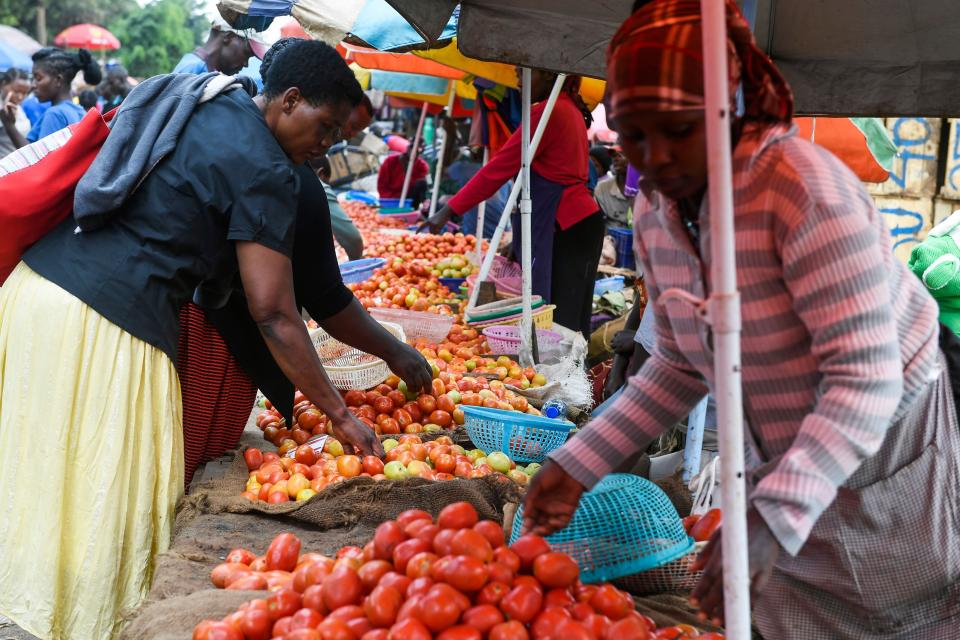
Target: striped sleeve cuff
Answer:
pixel 656 398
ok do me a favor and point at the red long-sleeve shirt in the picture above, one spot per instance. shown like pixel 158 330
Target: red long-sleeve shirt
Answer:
pixel 392 171
pixel 562 157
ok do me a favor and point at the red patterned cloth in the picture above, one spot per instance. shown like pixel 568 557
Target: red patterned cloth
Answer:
pixel 217 394
pixel 655 63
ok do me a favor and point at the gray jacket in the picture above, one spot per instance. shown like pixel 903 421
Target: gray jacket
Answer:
pixel 143 132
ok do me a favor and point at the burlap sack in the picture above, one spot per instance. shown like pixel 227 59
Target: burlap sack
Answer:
pixel 175 618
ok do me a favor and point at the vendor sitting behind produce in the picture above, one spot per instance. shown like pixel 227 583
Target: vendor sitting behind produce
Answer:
pixel 853 451
pixel 392 174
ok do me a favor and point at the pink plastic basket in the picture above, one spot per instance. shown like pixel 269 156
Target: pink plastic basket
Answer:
pixel 505 339
pixel 505 275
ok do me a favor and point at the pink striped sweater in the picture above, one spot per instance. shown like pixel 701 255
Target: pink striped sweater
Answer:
pixel 838 337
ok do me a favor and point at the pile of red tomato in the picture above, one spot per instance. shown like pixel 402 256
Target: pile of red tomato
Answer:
pixel 453 579
pixel 404 286
pixel 421 246
pixel 368 220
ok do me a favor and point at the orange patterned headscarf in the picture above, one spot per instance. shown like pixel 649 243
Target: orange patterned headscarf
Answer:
pixel 655 63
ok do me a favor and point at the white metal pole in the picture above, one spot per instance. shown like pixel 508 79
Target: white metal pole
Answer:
pixel 443 151
pixel 526 349
pixel 724 313
pixel 515 192
pixel 481 210
pixel 413 155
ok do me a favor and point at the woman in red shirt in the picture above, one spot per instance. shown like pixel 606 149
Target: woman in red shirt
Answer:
pixel 566 227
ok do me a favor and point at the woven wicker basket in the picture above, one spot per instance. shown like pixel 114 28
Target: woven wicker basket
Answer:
pixel 350 368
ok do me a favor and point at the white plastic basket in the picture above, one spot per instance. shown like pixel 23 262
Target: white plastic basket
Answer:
pixel 350 368
pixel 673 576
pixel 433 327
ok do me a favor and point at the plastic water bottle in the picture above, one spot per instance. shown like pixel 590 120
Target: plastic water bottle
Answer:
pixel 556 409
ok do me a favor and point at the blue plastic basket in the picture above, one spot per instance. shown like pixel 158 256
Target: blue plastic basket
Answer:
pixel 613 283
pixel 624 526
pixel 360 270
pixel 452 283
pixel 361 196
pixel 394 203
pixel 623 239
pixel 524 438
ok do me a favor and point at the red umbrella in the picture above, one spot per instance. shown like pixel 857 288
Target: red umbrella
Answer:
pixel 87 36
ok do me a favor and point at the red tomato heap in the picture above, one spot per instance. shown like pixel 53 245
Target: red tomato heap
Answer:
pixel 450 579
pixel 700 528
pixel 401 285
pixel 422 246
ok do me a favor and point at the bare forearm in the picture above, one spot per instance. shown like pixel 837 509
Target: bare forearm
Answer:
pixel 16 137
pixel 354 326
pixel 288 341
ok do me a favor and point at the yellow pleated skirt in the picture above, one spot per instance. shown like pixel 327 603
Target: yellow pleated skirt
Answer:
pixel 91 462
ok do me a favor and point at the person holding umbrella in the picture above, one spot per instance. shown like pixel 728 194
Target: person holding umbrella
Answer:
pixel 853 451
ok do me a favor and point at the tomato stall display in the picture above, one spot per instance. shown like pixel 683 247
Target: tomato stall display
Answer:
pixel 391 408
pixel 368 220
pixel 452 578
pixel 421 246
pixel 401 285
pixel 303 474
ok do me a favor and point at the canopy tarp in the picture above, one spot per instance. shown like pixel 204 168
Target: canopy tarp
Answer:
pixel 842 57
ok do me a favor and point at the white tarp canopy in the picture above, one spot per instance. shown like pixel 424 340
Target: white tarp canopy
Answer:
pixel 842 57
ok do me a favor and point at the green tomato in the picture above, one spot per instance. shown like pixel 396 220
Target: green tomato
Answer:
pixel 389 444
pixel 395 470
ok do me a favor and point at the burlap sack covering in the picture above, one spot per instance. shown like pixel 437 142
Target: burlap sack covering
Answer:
pixel 175 618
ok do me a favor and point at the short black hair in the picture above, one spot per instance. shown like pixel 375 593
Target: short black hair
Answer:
pixel 88 99
pixel 12 75
pixel 321 164
pixel 313 67
pixel 58 62
pixel 602 155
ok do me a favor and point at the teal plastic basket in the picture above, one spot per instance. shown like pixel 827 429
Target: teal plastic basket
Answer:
pixel 624 526
pixel 524 438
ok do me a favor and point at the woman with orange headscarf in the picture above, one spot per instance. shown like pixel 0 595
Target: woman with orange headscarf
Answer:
pixel 852 445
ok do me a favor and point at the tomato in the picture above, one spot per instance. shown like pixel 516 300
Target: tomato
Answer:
pixel 383 405
pixel 409 629
pixel 511 630
pixel 393 579
pixel 306 618
pixel 459 515
pixel 467 573
pixel 500 573
pixel 349 466
pixel 441 418
pixel 414 410
pixel 376 634
pixel 222 572
pixel 528 547
pixel 420 565
pixel 247 582
pixel 303 634
pixel 313 598
pixel 360 626
pixel 493 593
pixel 389 426
pixel 460 632
pixel 522 603
pixel 283 552
pixel 348 612
pixel 689 521
pixel 611 602
pixel 410 608
pixel 427 404
pixel 574 630
pixel 283 603
pixel 216 630
pixel 372 465
pixel 342 587
pixel 334 629
pixel 556 570
pixel 256 624
pixel 705 526
pixel 386 538
pixel 305 455
pixel 402 417
pixel 559 599
pixel 382 606
pixel 371 572
pixel 546 624
pixel 482 617
pixel 253 458
pixel 630 627
pixel 406 550
pixel 439 609
pixel 579 610
pixel 445 403
pixel 492 531
pixel 353 398
pixel 443 541
pixel 468 542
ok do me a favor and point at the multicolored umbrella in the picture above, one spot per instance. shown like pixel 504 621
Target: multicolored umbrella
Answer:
pixel 87 36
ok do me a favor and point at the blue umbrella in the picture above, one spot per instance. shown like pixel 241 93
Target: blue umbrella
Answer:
pixel 10 57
